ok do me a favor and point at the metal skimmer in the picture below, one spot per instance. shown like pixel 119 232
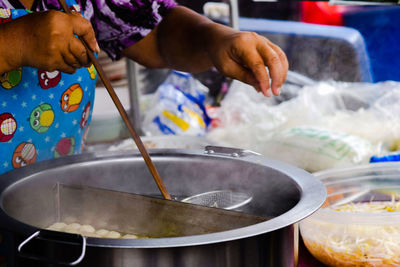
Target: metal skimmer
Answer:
pixel 223 199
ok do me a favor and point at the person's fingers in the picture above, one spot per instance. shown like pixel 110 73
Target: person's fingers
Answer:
pixel 63 66
pixel 78 51
pixel 275 68
pixel 76 13
pixel 236 71
pixel 67 69
pixel 70 59
pixel 255 63
pixel 282 56
pixel 84 30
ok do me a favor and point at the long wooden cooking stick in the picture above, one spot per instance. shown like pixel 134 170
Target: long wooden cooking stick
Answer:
pixel 123 114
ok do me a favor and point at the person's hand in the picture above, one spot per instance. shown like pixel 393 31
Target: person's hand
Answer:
pixel 244 55
pixel 47 40
pixel 187 41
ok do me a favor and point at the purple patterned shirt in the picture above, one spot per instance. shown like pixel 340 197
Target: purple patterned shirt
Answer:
pixel 117 23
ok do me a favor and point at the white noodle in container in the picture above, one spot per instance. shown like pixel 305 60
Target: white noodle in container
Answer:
pixel 359 224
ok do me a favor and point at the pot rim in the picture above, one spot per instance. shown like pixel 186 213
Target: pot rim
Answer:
pixel 312 196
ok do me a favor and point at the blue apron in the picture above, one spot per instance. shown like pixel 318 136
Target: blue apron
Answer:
pixel 43 115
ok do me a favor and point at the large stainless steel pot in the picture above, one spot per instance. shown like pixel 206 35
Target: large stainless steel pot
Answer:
pixel 282 192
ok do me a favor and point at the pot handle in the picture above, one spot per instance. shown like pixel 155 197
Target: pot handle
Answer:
pixel 227 151
pixel 48 260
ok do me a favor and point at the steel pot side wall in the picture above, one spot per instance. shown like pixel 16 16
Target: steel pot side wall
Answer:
pixel 31 199
pixel 275 249
pixel 272 243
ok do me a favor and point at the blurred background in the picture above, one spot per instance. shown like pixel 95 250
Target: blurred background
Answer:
pixel 323 41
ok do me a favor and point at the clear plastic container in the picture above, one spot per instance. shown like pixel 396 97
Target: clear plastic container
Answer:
pixel 359 223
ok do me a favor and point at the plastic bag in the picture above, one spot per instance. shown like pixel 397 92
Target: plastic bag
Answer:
pixel 363 117
pixel 178 107
pixel 315 149
pixel 370 111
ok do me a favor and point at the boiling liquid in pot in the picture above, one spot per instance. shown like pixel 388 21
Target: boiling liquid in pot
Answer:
pixel 139 215
pixel 89 231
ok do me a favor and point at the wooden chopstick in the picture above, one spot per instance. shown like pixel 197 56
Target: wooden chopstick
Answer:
pixel 123 114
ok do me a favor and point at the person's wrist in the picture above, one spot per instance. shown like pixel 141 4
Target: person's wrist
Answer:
pixel 10 47
pixel 206 35
pixel 213 34
pixel 5 64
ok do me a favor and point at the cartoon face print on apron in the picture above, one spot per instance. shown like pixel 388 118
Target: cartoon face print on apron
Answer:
pixel 43 114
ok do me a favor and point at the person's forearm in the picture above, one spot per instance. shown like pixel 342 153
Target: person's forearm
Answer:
pixel 182 40
pixel 187 41
pixel 9 47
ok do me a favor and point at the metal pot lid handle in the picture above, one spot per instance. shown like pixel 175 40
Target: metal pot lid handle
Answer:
pixel 49 260
pixel 227 151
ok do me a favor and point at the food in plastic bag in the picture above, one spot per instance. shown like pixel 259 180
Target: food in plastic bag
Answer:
pixel 363 117
pixel 314 149
pixel 245 119
pixel 178 107
pixel 370 111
